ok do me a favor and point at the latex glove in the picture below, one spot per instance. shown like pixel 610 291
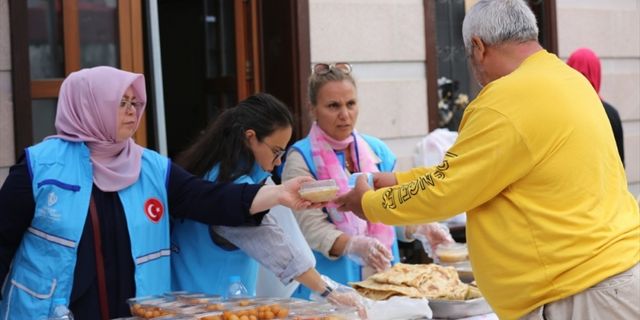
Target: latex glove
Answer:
pixel 368 251
pixel 348 299
pixel 432 235
pixel 342 295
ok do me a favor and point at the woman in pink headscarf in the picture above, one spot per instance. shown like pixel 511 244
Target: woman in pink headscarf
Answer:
pixel 84 215
pixel 587 62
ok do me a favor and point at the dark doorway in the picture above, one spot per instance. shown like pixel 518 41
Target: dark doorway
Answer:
pixel 198 65
pixel 215 52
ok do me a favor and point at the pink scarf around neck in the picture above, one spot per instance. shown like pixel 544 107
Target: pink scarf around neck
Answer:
pixel 323 150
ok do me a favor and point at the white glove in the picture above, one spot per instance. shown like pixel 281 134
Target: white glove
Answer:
pixel 432 235
pixel 368 251
pixel 341 295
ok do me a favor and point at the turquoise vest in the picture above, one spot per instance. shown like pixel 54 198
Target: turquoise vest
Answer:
pixel 62 179
pixel 344 270
pixel 198 264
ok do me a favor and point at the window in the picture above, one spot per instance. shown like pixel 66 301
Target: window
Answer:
pixel 445 50
pixel 56 37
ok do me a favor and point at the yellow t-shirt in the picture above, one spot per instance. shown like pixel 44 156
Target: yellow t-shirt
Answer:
pixel 536 168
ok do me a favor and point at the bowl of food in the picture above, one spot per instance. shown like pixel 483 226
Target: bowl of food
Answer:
pixel 319 191
pixel 449 253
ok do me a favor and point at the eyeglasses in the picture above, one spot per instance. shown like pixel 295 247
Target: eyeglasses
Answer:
pixel 324 68
pixel 130 104
pixel 277 151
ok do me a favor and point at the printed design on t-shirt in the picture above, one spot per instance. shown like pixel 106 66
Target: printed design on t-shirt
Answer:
pixel 395 196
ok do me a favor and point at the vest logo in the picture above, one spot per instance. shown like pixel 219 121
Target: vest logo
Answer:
pixel 153 209
pixel 52 199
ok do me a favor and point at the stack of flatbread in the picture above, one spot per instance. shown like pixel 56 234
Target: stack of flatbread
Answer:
pixel 429 281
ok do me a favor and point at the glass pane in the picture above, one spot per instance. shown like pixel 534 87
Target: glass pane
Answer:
pixel 98 33
pixel 43 117
pixel 220 56
pixel 46 53
pixel 453 73
pixel 219 38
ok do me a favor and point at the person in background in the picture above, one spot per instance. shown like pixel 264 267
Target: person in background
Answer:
pixel 587 62
pixel 242 145
pixel 84 213
pixel 346 247
pixel 552 229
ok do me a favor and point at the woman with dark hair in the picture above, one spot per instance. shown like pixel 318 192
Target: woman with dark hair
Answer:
pixel 242 145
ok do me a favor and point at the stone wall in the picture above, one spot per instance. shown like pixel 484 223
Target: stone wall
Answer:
pixel 7 153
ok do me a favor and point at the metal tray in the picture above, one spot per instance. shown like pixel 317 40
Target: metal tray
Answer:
pixel 454 309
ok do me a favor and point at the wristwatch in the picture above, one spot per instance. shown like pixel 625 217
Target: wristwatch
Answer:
pixel 327 291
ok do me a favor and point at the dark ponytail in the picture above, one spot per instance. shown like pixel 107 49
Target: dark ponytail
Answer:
pixel 223 141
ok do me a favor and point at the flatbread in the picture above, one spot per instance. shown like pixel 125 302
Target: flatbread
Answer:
pixel 417 281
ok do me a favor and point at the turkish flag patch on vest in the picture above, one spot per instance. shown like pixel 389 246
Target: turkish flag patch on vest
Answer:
pixel 153 209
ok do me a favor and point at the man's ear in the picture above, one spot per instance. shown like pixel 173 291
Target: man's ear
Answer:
pixel 479 48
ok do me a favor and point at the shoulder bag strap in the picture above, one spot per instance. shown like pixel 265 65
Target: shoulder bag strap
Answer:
pixel 97 242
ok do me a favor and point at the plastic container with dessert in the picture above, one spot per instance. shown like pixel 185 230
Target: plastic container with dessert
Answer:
pixel 319 191
pixel 149 307
pixel 203 300
pixel 219 306
pixel 451 253
pixel 176 317
pixel 240 312
pixel 151 311
pixel 210 315
pixel 455 255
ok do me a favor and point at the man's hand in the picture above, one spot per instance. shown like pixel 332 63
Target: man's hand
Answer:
pixel 384 179
pixel 351 201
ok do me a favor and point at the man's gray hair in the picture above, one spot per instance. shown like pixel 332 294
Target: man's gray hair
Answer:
pixel 499 21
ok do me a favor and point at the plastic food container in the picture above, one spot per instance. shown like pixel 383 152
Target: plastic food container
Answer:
pixel 151 311
pixel 199 299
pixel 452 253
pixel 176 317
pixel 214 315
pixel 218 306
pixel 319 191
pixel 150 306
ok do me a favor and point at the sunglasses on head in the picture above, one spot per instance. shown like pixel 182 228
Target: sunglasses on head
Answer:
pixel 324 68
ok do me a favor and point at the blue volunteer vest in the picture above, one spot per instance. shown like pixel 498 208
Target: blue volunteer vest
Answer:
pixel 62 179
pixel 198 264
pixel 344 270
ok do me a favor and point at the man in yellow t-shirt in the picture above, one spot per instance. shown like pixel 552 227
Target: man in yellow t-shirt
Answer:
pixel 552 230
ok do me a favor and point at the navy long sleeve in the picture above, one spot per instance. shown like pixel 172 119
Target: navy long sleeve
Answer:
pixel 189 197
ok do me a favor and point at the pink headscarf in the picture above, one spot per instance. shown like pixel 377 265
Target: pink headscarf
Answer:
pixel 88 107
pixel 586 62
pixel 328 167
